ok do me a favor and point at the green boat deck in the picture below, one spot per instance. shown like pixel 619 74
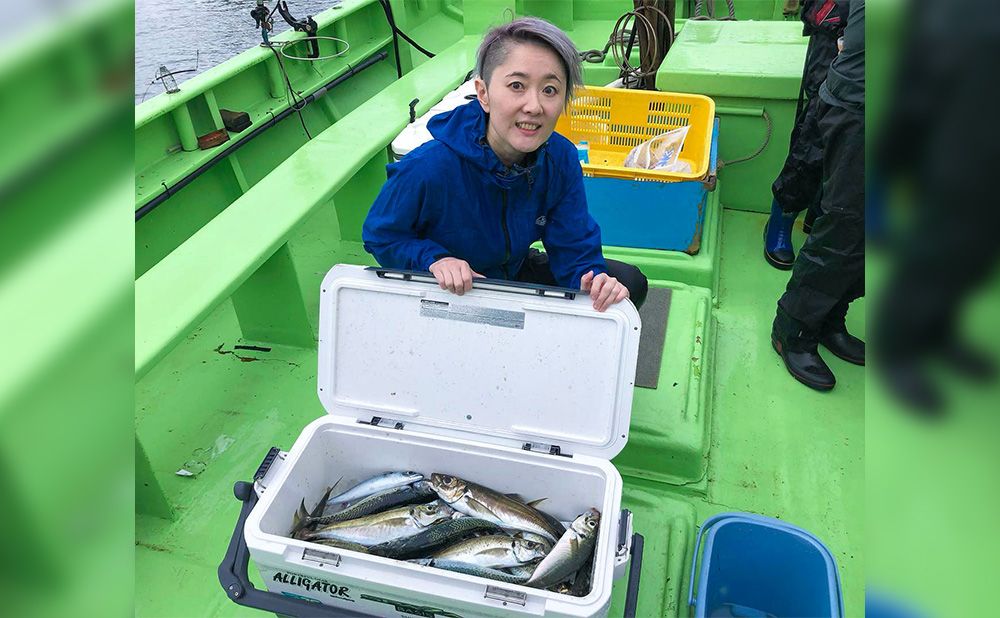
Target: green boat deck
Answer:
pixel 777 448
pixel 727 429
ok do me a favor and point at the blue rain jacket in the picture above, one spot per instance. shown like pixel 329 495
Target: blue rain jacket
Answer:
pixel 452 196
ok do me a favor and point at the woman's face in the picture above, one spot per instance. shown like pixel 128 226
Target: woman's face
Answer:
pixel 525 96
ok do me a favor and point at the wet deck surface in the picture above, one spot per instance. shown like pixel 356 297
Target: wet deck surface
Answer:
pixel 776 447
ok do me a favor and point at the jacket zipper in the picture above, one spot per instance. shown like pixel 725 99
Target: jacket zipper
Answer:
pixel 506 233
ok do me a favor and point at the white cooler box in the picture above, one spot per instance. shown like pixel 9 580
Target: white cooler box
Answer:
pixel 524 389
pixel 416 132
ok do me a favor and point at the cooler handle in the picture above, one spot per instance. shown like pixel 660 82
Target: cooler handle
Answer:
pixel 634 573
pixel 499 285
pixel 236 583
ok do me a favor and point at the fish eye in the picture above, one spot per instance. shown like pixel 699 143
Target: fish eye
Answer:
pixel 591 523
pixel 448 479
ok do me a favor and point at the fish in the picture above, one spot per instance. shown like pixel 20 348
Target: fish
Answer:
pixel 437 536
pixel 374 485
pixel 472 569
pixel 303 518
pixel 570 552
pixel 418 493
pixel 496 551
pixel 478 501
pixel 523 570
pixel 342 545
pixel 581 583
pixel 385 526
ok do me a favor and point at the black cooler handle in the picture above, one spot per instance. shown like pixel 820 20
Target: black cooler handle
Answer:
pixel 634 572
pixel 484 283
pixel 236 583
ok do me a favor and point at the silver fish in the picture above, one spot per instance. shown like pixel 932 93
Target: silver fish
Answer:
pixel 523 570
pixel 569 554
pixel 381 527
pixel 496 551
pixel 435 537
pixel 342 545
pixel 375 484
pixel 395 496
pixel 478 501
pixel 471 569
pixel 582 581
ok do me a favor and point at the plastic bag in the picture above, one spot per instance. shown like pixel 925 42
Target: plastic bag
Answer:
pixel 660 153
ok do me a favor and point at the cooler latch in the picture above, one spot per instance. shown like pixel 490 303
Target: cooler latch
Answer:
pixel 539 447
pixel 507 596
pixel 323 558
pixel 623 547
pixel 379 421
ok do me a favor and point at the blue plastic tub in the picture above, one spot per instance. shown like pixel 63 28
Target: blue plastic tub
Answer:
pixel 646 214
pixel 756 567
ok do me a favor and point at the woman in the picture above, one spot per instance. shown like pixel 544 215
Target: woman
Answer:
pixel 495 179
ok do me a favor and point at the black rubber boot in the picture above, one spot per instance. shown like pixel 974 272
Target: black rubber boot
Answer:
pixel 968 362
pixel 910 385
pixel 778 238
pixel 798 349
pixel 834 337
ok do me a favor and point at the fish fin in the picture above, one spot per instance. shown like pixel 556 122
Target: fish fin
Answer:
pixel 482 507
pixel 321 505
pixel 535 503
pixel 301 518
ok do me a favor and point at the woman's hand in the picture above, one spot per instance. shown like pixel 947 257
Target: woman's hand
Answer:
pixel 454 275
pixel 604 290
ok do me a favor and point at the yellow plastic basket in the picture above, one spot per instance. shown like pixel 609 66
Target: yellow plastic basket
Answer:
pixel 614 120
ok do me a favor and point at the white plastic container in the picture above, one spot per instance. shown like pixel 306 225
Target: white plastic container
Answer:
pixel 516 388
pixel 416 132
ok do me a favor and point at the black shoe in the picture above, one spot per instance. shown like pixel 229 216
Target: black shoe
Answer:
pixel 805 364
pixel 844 345
pixel 968 362
pixel 910 385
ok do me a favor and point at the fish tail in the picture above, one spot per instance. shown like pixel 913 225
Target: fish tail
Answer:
pixel 320 506
pixel 300 519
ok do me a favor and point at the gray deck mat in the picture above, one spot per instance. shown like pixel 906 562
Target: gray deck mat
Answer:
pixel 654 315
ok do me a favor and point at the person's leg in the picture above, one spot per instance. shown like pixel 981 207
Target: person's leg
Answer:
pixel 831 263
pixel 632 278
pixel 833 332
pixel 797 186
pixel 536 270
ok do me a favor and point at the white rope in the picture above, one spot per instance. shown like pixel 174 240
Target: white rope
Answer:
pixel 285 44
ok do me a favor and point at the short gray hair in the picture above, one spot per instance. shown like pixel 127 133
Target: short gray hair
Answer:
pixel 498 42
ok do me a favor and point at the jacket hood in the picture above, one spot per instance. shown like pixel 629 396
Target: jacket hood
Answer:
pixel 463 130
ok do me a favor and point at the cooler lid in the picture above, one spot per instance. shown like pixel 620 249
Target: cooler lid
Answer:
pixel 753 59
pixel 507 363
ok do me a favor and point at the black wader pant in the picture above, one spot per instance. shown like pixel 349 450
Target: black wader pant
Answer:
pixel 797 187
pixel 829 270
pixel 942 139
pixel 536 270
